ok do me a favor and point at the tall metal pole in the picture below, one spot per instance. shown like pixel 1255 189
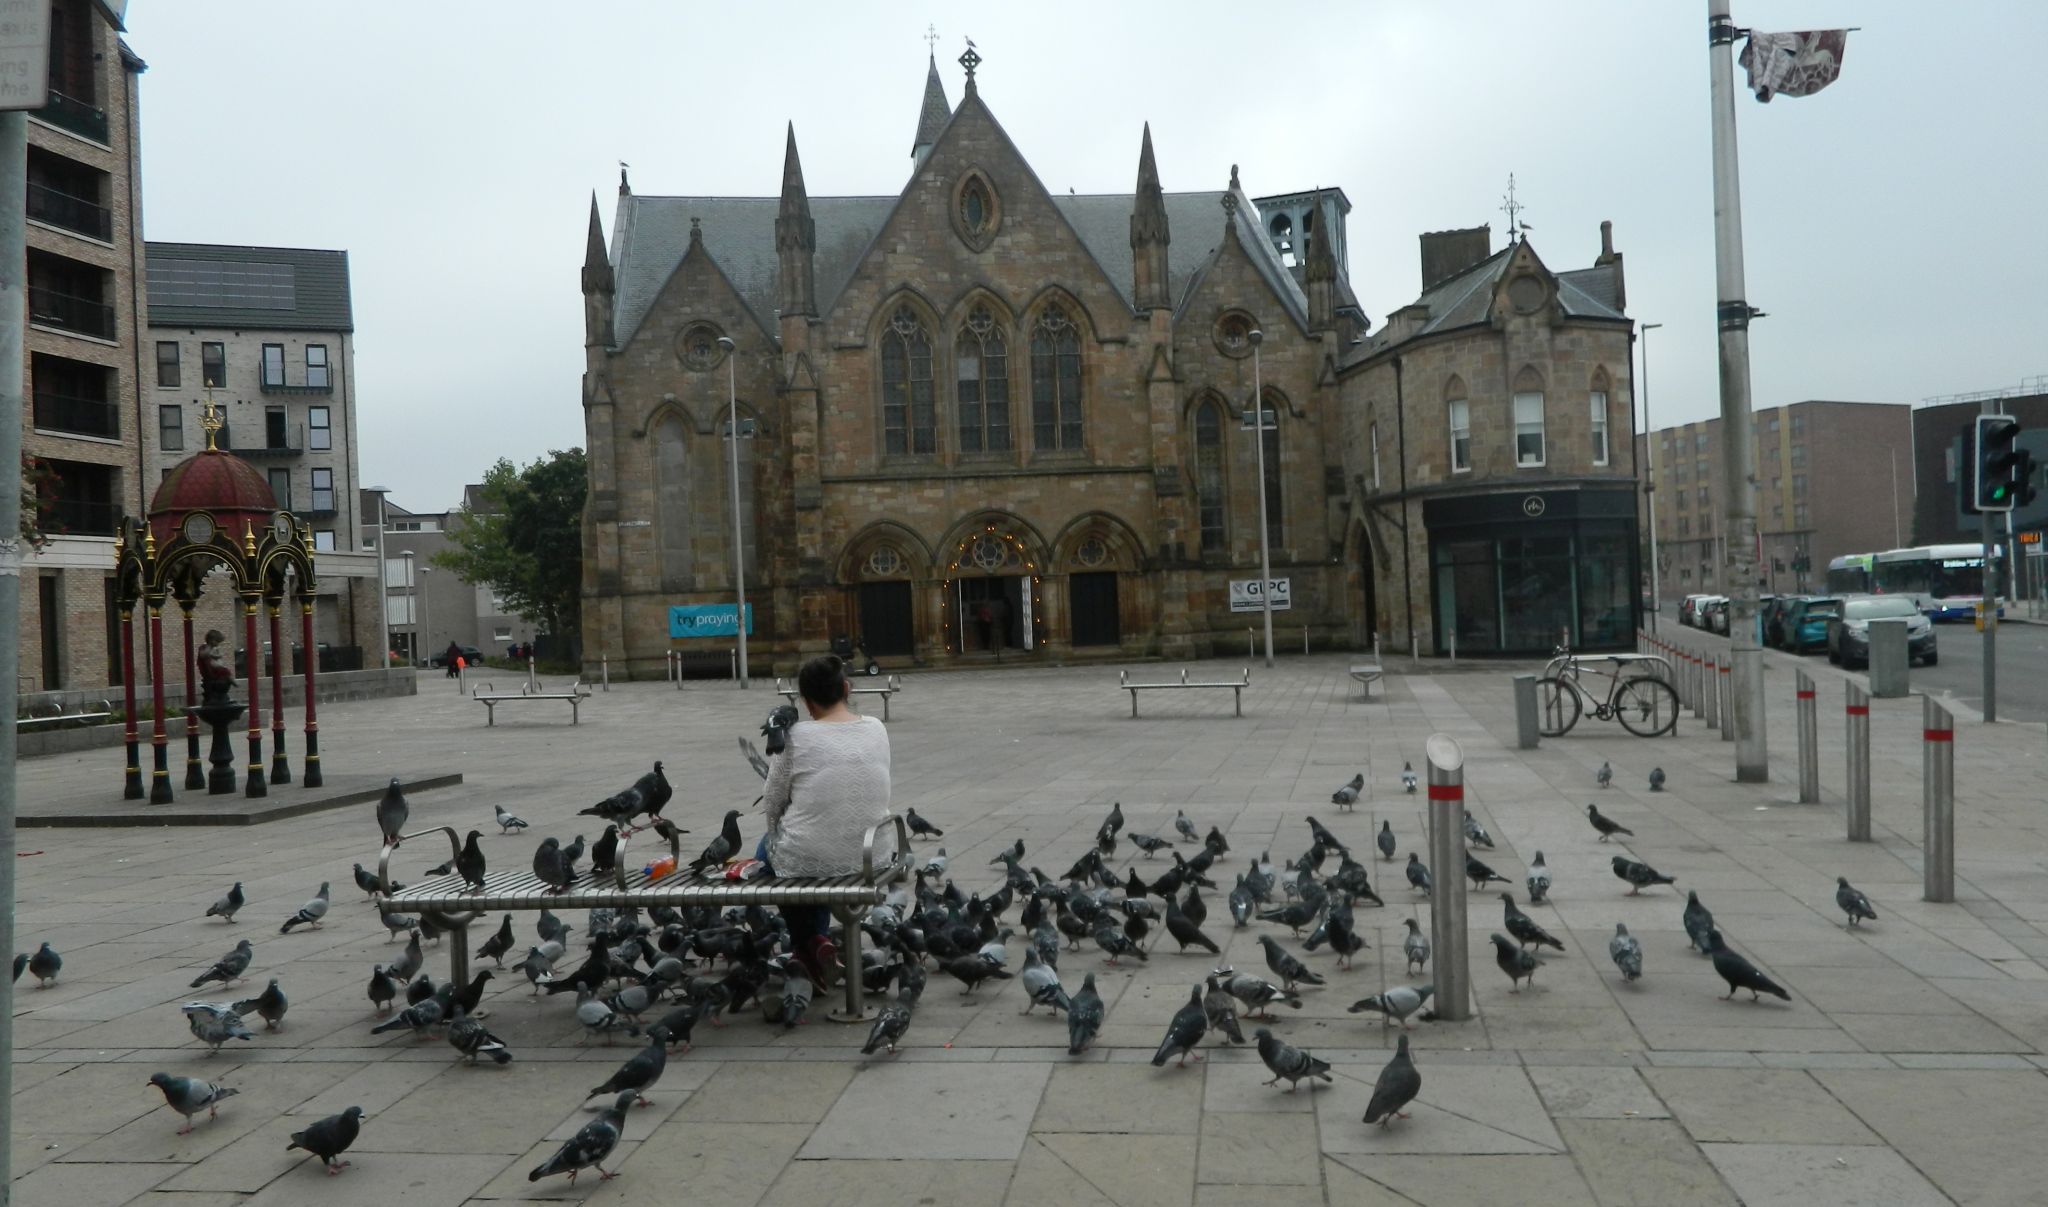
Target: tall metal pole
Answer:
pixel 1738 452
pixel 13 188
pixel 1938 802
pixel 1988 533
pixel 384 603
pixel 1259 432
pixel 412 611
pixel 1650 487
pixel 739 548
pixel 1445 761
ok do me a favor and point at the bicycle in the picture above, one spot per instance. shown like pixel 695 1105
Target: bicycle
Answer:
pixel 1645 704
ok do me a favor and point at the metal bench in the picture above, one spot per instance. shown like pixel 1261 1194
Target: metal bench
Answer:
pixel 490 697
pixel 55 712
pixel 890 686
pixel 1367 674
pixel 517 888
pixel 1236 686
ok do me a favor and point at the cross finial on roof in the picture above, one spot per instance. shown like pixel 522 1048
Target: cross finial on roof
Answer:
pixel 1513 210
pixel 696 231
pixel 931 38
pixel 970 61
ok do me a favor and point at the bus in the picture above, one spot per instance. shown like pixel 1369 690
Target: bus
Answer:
pixel 1945 581
pixel 1850 574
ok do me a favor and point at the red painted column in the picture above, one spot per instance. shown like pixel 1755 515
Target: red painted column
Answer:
pixel 132 790
pixel 160 769
pixel 280 768
pixel 256 785
pixel 312 777
pixel 195 776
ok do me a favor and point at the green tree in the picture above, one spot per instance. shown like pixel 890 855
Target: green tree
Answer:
pixel 521 534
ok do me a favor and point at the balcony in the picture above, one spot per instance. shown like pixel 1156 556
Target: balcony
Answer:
pixel 68 312
pixel 278 387
pixel 79 117
pixel 77 416
pixel 287 443
pixel 75 214
pixel 82 517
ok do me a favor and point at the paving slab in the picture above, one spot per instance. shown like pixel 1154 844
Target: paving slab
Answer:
pixel 1643 1163
pixel 1756 1106
pixel 1596 1093
pixel 1120 1098
pixel 1258 1149
pixel 1464 1180
pixel 963 1113
pixel 1128 1171
pixel 1801 1175
pixel 1460 1110
pixel 890 1184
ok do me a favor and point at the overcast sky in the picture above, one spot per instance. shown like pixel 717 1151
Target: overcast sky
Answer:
pixel 1894 221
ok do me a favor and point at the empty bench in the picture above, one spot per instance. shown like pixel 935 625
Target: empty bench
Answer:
pixel 1236 686
pixel 890 686
pixel 490 697
pixel 627 886
pixel 1367 674
pixel 56 712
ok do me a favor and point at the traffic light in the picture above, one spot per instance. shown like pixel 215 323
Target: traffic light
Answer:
pixel 2023 472
pixel 2001 466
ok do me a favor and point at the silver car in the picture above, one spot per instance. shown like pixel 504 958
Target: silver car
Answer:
pixel 1849 636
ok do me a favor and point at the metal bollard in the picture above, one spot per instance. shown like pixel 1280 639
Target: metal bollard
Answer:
pixel 531 684
pixel 1525 713
pixel 1725 690
pixel 605 665
pixel 1692 685
pixel 1251 645
pixel 1938 789
pixel 1712 694
pixel 1808 710
pixel 1447 865
pixel 1857 710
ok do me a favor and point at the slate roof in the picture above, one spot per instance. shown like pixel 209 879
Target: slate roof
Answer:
pixel 249 288
pixel 1465 299
pixel 933 115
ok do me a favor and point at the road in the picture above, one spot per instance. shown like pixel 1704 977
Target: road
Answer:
pixel 2022 669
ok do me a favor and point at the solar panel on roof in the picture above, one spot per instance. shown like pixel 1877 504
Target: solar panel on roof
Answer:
pixel 220 284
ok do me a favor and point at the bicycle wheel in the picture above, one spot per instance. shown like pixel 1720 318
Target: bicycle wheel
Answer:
pixel 1557 706
pixel 1646 707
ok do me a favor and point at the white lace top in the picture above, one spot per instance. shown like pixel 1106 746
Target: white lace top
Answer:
pixel 824 792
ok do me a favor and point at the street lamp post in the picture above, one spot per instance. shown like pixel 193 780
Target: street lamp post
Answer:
pixel 1650 488
pixel 1256 423
pixel 739 550
pixel 412 611
pixel 384 605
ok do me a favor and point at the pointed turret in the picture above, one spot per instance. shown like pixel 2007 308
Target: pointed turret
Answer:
pixel 597 284
pixel 931 116
pixel 1150 237
pixel 796 238
pixel 1320 273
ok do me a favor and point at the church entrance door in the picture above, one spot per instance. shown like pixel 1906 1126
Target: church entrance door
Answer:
pixel 1093 604
pixel 885 620
pixel 992 612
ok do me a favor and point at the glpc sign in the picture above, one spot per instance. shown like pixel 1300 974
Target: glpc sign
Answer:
pixel 705 620
pixel 1244 595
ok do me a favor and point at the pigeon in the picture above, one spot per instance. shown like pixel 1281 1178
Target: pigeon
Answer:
pixel 1408 778
pixel 1257 993
pixel 548 926
pixel 391 814
pixel 1607 827
pixel 1397 1004
pixel 1347 795
pixel 1041 984
pixel 44 962
pixel 721 848
pixel 604 853
pixel 229 967
pixel 269 1005
pixel 495 947
pixel 470 863
pixel 1605 776
pixel 550 868
pixel 682 1020
pixel 1194 908
pixel 1386 839
pixel 1418 875
pixel 1699 923
pixel 471 1038
pixel 1639 875
pixel 1480 875
pixel 1284 1061
pixel 1343 938
pixel 920 827
pixel 591 1144
pixel 1740 973
pixel 1189 1024
pixel 441 869
pixel 1114 823
pixel 309 914
pixel 1084 1017
pixel 1656 779
pixel 1285 965
pixel 188 1096
pixel 383 990
pixel 891 1023
pixel 1415 946
pixel 1221 1009
pixel 1014 851
pixel 1324 838
pixel 367 881
pixel 1476 834
pixel 648 794
pixel 936 865
pixel 1852 902
pixel 971 970
pixel 225 908
pixel 1514 961
pixel 420 990
pixel 1215 843
pixel 331 1137
pixel 600 1019
pixel 507 821
pixel 1116 942
pixel 1626 952
pixel 469 997
pixel 1539 880
pixel 397 924
pixel 1240 902
pixel 1185 828
pixel 797 991
pixel 1185 930
pixel 753 756
pixel 1398 1085
pixel 570 854
pixel 1524 928
pixel 639 1074
pixel 1148 843
pixel 1293 916
pixel 420 1017
pixel 408 963
pixel 214 1024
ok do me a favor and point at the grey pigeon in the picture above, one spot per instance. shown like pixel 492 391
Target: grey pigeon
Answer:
pixel 1539 880
pixel 1240 902
pixel 332 1136
pixel 591 1144
pixel 367 881
pixel 310 913
pixel 1215 843
pixel 470 863
pixel 1639 875
pixel 1221 1009
pixel 1852 902
pixel 549 926
pixel 383 989
pixel 1184 827
pixel 1386 839
pixel 214 1024
pixel 397 924
pixel 1148 843
pixel 1415 946
pixel 1289 1063
pixel 1656 779
pixel 1476 834
pixel 721 848
pixel 507 822
pixel 1257 993
pixel 1626 952
pixel 188 1096
pixel 495 947
pixel 229 967
pixel 230 902
pixel 1397 1004
pixel 1286 965
pixel 600 1019
pixel 1084 1017
pixel 891 1024
pixel 392 812
pixel 570 854
pixel 44 963
pixel 1608 827
pixel 550 868
pixel 1115 942
pixel 1524 928
pixel 1408 778
pixel 638 1075
pixel 971 970
pixel 1418 875
pixel 1347 795
pixel 268 1005
pixel 1041 984
pixel 918 826
pixel 471 1038
pixel 1189 1024
pixel 797 991
pixel 1516 963
pixel 1605 776
pixel 1398 1085
pixel 1699 924
pixel 1739 972
pixel 420 1017
pixel 936 865
pixel 1481 875
pixel 1186 931
pixel 409 961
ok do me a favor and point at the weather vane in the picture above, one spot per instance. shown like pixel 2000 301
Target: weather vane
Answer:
pixel 931 38
pixel 1513 210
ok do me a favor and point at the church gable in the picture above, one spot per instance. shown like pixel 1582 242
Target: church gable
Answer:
pixel 697 291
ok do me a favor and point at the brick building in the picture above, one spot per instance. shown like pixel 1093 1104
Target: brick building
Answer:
pixel 1938 424
pixel 428 606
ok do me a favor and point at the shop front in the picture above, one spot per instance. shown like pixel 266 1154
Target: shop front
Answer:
pixel 1524 572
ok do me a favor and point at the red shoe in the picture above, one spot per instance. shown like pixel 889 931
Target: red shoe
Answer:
pixel 824 963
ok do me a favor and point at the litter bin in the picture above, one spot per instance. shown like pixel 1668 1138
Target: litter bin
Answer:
pixel 1888 658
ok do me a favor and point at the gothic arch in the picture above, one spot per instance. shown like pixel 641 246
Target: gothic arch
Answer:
pixel 952 546
pixel 916 430
pixel 1528 380
pixel 1059 295
pixel 981 295
pixel 903 295
pixel 706 424
pixel 1124 550
pixel 1454 389
pixel 850 566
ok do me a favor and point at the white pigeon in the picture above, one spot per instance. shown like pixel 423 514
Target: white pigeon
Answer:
pixel 1605 776
pixel 508 822
pixel 1539 879
pixel 1408 778
pixel 1041 984
pixel 1396 1003
pixel 1626 953
pixel 1416 946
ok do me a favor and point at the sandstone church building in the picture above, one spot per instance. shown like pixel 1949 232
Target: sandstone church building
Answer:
pixel 979 421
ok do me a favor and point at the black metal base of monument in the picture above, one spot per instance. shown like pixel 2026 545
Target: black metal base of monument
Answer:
pixel 195 777
pixel 280 767
pixel 160 778
pixel 131 788
pixel 220 713
pixel 255 785
pixel 313 778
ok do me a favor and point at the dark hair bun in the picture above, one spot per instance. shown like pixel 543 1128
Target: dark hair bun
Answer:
pixel 822 681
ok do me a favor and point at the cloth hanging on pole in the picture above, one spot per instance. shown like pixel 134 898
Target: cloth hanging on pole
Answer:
pixel 1793 64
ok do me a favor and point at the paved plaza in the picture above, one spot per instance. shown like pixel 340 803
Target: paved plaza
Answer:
pixel 1907 1068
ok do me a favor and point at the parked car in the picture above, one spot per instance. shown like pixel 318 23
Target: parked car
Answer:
pixel 1714 614
pixel 471 656
pixel 1806 622
pixel 1689 609
pixel 1849 634
pixel 1771 619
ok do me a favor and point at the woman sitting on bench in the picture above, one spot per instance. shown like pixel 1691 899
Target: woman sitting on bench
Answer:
pixel 826 790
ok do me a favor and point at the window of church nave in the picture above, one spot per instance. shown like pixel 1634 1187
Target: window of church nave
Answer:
pixel 981 360
pixel 1209 474
pixel 908 423
pixel 1055 382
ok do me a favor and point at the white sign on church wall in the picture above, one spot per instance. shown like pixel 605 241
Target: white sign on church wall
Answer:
pixel 1244 595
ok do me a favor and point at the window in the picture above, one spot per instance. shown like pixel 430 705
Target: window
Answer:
pixel 1798 454
pixel 1777 485
pixel 1529 428
pixel 1770 452
pixel 501 632
pixel 1461 435
pixel 1800 516
pixel 1798 486
pixel 1055 382
pixel 1683 501
pixel 167 362
pixel 273 365
pixel 1703 496
pixel 1700 467
pixel 1798 425
pixel 170 428
pixel 1270 435
pixel 1599 415
pixel 982 376
pixel 323 540
pixel 213 364
pixel 323 490
pixel 281 487
pixel 1375 456
pixel 1685 525
pixel 1771 425
pixel 319 432
pixel 1209 474
pixel 907 421
pixel 316 367
pixel 1699 442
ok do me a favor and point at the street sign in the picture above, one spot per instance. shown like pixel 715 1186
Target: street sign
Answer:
pixel 24 54
pixel 1244 595
pixel 705 620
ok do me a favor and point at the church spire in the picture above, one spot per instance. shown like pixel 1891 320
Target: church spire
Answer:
pixel 1149 234
pixel 597 264
pixel 1320 272
pixel 597 291
pixel 796 238
pixel 932 115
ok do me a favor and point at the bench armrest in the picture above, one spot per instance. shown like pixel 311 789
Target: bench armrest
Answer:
pixel 867 845
pixel 384 856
